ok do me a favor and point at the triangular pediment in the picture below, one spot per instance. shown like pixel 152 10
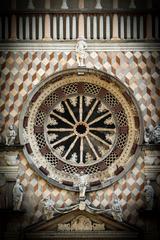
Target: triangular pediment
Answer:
pixel 69 225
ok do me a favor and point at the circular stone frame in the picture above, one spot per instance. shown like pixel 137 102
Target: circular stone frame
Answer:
pixel 61 91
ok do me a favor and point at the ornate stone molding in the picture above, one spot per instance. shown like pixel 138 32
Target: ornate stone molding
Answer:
pixel 98 46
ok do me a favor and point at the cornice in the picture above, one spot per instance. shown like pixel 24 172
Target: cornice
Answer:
pixel 98 46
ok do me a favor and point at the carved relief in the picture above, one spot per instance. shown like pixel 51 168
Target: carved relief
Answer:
pixel 81 223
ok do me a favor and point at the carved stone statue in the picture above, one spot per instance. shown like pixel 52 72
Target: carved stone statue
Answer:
pixel 152 136
pixel 82 185
pixel 10 135
pixel 17 195
pixel 148 196
pixel 81 47
pixel 147 135
pixel 48 208
pixel 116 209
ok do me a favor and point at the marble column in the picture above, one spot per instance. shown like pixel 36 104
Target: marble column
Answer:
pixel 81 21
pixel 115 34
pixel 47 28
pixel 47 22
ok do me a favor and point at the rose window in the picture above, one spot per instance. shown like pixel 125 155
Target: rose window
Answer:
pixel 72 123
pixel 80 130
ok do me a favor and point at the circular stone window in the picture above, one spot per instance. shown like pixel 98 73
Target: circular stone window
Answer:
pixel 81 120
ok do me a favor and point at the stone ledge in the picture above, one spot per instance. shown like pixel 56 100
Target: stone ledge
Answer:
pixel 151 171
pixel 15 147
pixel 10 172
pixel 93 45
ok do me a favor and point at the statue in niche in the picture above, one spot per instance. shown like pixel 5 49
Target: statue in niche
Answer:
pixel 17 195
pixel 116 209
pixel 82 185
pixel 48 208
pixel 81 47
pixel 148 196
pixel 10 135
pixel 152 136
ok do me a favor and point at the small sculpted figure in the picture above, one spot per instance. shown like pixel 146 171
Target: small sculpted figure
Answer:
pixel 10 135
pixel 81 47
pixel 17 195
pixel 82 185
pixel 116 209
pixel 48 208
pixel 152 136
pixel 148 196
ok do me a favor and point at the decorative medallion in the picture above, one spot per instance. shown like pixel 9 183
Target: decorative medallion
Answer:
pixel 80 122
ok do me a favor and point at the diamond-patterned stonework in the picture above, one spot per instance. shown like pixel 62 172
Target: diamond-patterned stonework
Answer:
pixel 21 71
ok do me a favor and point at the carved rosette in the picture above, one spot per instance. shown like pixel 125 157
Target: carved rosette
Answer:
pixel 73 123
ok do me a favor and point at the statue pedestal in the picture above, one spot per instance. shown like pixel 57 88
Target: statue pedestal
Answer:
pixel 152 160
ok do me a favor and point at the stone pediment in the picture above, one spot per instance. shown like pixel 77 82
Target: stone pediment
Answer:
pixel 76 224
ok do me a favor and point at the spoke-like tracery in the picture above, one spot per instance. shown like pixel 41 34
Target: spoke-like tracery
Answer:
pixel 71 147
pixel 92 147
pixel 94 113
pixel 63 139
pixel 99 118
pixel 70 111
pixel 81 108
pixel 91 111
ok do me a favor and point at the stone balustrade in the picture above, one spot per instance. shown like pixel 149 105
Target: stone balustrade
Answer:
pixel 62 26
pixel 69 24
